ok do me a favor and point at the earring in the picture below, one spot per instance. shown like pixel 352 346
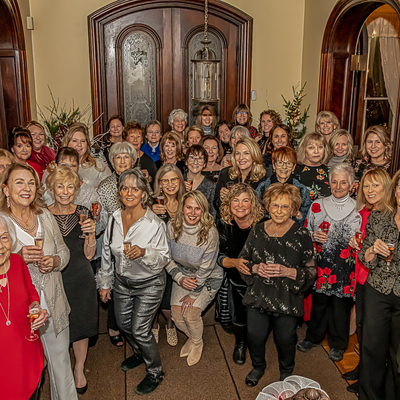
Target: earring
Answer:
pixel 8 201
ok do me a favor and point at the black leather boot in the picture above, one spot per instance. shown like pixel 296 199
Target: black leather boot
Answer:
pixel 239 354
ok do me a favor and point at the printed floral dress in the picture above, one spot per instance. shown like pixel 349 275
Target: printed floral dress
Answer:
pixel 336 275
pixel 315 179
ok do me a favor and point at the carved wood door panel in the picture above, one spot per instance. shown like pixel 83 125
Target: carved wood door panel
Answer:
pixel 141 51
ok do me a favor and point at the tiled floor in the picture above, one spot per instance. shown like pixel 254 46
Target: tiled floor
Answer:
pixel 215 377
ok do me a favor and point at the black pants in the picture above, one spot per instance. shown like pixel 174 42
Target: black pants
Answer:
pixel 380 343
pixel 259 325
pixel 330 314
pixel 136 304
pixel 238 292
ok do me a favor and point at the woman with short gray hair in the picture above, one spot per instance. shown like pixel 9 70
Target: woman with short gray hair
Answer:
pixel 136 239
pixel 333 221
pixel 177 120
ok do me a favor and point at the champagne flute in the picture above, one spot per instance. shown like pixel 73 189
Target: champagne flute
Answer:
pixel 389 258
pixel 127 246
pixel 39 241
pixel 33 314
pixel 83 215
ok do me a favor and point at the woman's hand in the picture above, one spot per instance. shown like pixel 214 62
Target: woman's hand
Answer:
pixel 240 265
pixel 159 209
pixel 320 237
pixel 188 186
pixel 187 304
pixel 223 193
pixel 48 263
pixel 145 173
pixel 380 247
pixel 88 226
pixel 187 283
pixel 276 271
pixel 105 295
pixel 41 320
pixel 225 162
pixel 31 254
pixel 135 252
pixel 299 215
pixel 353 243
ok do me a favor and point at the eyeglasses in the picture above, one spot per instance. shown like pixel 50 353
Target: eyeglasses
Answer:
pixel 286 164
pixel 173 181
pixel 196 160
pixel 67 165
pixel 276 207
pixel 242 113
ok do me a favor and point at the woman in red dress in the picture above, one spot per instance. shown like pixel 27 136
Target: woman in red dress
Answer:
pixel 21 361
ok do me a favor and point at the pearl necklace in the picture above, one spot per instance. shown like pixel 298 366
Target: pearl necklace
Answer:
pixel 8 322
pixel 26 229
pixel 340 203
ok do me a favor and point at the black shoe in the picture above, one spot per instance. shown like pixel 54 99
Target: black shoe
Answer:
pixel 284 375
pixel 239 354
pixel 336 355
pixel 352 375
pixel 354 387
pixel 82 390
pixel 253 377
pixel 305 346
pixel 131 362
pixel 148 384
pixel 116 339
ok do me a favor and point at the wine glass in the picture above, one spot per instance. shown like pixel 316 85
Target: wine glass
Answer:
pixel 83 216
pixel 160 201
pixel 127 246
pixel 389 258
pixel 39 241
pixel 33 314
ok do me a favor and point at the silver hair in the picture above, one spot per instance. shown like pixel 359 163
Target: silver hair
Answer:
pixel 177 113
pixel 342 167
pixel 239 129
pixel 141 183
pixel 7 223
pixel 122 148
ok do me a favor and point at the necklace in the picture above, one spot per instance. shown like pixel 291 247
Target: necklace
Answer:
pixel 8 322
pixel 26 229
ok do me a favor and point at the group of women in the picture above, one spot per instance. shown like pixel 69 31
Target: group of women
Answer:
pixel 164 223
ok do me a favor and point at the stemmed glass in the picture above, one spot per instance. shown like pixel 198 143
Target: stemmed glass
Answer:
pixel 269 260
pixel 83 215
pixel 389 258
pixel 33 314
pixel 39 241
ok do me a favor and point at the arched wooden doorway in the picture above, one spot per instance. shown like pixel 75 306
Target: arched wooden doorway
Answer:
pixel 14 96
pixel 158 35
pixel 339 44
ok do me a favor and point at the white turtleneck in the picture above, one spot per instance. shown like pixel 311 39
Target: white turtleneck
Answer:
pixel 338 209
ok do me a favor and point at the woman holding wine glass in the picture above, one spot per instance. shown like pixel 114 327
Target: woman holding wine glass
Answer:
pixel 78 277
pixel 381 318
pixel 20 199
pixel 169 187
pixel 18 297
pixel 137 277
pixel 332 221
pixel 374 195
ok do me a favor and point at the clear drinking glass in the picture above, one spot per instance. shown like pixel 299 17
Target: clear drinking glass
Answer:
pixel 389 258
pixel 33 314
pixel 83 215
pixel 269 260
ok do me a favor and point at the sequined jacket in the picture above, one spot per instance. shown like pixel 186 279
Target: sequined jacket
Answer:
pixel 384 227
pixel 51 283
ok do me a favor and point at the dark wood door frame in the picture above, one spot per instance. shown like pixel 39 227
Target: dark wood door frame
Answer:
pixel 13 49
pixel 113 11
pixel 339 43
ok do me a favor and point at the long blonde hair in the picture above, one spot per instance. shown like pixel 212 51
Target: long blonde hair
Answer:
pixel 333 142
pixel 312 137
pixel 383 136
pixel 87 160
pixel 257 169
pixel 206 219
pixel 163 171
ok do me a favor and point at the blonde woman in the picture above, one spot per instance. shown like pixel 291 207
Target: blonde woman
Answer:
pixel 313 154
pixel 326 124
pixel 193 242
pixel 247 167
pixel 341 147
pixel 375 151
pixel 171 151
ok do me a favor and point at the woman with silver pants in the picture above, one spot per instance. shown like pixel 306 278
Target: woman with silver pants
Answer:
pixel 135 240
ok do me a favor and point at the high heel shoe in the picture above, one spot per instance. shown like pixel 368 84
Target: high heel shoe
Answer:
pixel 82 390
pixel 116 339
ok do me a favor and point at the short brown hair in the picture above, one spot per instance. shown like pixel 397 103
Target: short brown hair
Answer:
pixel 283 189
pixel 172 137
pixel 197 149
pixel 37 203
pixel 220 148
pixel 189 129
pixel 19 132
pixel 133 125
pixel 284 152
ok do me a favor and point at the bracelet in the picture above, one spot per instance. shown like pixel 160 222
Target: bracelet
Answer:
pixel 91 246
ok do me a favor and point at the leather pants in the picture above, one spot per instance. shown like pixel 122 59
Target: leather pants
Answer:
pixel 136 304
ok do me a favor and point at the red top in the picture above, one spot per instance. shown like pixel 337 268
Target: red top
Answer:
pixel 36 168
pixel 21 361
pixel 361 271
pixel 43 157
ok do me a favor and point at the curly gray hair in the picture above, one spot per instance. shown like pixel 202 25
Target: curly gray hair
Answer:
pixel 177 113
pixel 342 167
pixel 122 148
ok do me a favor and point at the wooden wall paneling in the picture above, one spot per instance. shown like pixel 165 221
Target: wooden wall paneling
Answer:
pixel 3 125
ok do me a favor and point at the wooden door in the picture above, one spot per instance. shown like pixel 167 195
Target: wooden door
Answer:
pixel 14 98
pixel 169 26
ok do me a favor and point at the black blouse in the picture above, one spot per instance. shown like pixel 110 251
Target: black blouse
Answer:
pixel 147 163
pixel 293 250
pixel 316 180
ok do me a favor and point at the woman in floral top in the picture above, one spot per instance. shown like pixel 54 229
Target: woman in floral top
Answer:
pixel 332 299
pixel 312 155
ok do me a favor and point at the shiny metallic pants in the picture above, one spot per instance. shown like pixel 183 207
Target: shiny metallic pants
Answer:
pixel 136 304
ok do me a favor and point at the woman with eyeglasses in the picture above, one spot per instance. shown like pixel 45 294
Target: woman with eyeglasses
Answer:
pixel 196 159
pixel 284 161
pixel 169 187
pixel 242 116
